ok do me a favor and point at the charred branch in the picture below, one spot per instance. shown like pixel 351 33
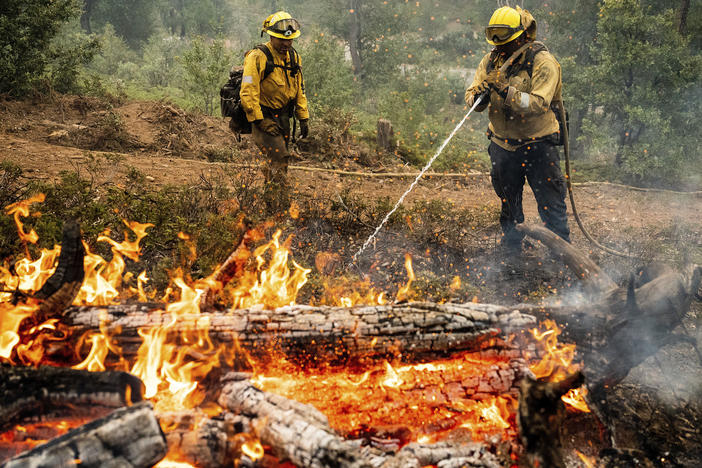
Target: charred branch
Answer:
pixel 540 417
pixel 62 287
pixel 128 437
pixel 232 267
pixel 36 393
pixel 593 278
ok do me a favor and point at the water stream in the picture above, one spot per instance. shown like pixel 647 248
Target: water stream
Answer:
pixel 416 180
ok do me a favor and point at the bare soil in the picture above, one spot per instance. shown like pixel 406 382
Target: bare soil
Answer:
pixel 173 147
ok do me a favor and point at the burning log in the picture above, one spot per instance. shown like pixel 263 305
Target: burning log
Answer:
pixel 232 266
pixel 30 393
pixel 128 437
pixel 323 333
pixel 297 432
pixel 301 434
pixel 623 326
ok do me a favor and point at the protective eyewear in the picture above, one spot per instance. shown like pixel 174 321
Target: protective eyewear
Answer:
pixel 501 32
pixel 286 27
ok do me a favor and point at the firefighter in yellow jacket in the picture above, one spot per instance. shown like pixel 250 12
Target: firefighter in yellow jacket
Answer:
pixel 270 97
pixel 524 131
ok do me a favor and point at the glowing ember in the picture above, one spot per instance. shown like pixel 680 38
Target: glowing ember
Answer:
pixel 589 462
pixel 428 399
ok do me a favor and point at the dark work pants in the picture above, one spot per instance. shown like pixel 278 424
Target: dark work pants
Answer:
pixel 538 163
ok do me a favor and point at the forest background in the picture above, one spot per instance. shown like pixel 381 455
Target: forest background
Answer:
pixel 631 68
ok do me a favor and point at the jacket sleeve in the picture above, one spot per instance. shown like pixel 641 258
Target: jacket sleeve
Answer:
pixel 301 110
pixel 545 80
pixel 480 75
pixel 254 66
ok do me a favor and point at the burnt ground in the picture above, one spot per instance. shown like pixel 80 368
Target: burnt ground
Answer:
pixel 448 225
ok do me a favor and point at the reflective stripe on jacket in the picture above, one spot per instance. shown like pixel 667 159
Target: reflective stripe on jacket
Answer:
pixel 525 113
pixel 276 91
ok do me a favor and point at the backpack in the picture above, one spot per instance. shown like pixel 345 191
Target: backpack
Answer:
pixel 528 65
pixel 230 100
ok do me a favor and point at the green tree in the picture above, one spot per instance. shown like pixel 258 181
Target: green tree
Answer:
pixel 133 20
pixel 204 17
pixel 27 28
pixel 644 82
pixel 205 68
pixel 328 77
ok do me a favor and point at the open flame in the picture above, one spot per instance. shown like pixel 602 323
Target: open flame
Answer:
pixel 557 363
pixel 174 358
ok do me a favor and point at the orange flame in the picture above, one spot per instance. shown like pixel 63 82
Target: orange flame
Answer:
pixel 403 292
pixel 21 208
pixel 10 319
pixel 557 363
pixel 588 461
pixel 274 286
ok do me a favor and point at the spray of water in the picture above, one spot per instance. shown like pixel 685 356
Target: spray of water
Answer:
pixel 416 180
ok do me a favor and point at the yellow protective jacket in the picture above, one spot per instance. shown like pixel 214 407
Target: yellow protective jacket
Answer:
pixel 525 114
pixel 276 91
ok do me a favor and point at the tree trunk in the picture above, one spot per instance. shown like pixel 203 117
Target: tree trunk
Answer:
pixel 86 14
pixel 386 135
pixel 354 38
pixel 682 16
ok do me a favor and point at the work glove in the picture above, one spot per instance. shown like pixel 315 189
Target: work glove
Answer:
pixel 483 89
pixel 268 126
pixel 498 82
pixel 304 128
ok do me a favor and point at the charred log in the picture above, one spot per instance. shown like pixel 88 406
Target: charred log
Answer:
pixel 324 333
pixel 128 437
pixel 45 392
pixel 205 446
pixel 297 432
pixel 541 414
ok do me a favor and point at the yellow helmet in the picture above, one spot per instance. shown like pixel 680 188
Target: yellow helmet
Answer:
pixel 505 26
pixel 281 25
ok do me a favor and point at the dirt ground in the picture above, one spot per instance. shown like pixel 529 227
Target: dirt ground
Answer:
pixel 170 146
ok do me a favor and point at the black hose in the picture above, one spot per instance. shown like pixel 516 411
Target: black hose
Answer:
pixel 566 151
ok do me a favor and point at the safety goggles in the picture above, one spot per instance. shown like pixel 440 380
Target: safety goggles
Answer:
pixel 501 32
pixel 286 27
